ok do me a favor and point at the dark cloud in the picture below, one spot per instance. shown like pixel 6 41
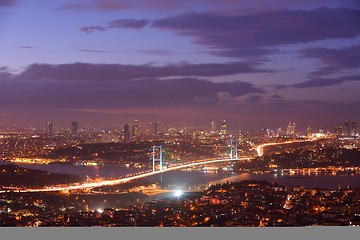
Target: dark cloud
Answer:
pixel 106 72
pixel 179 99
pixel 276 96
pixel 121 23
pixel 143 93
pixel 254 98
pixel 128 23
pixel 236 5
pixel 259 33
pixel 26 47
pixel 325 82
pixel 335 59
pixel 91 29
pixel 89 50
pixel 7 3
pixel 103 5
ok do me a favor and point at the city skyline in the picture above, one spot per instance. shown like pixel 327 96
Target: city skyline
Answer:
pixel 112 62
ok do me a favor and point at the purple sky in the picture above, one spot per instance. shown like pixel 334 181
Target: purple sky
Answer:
pixel 254 63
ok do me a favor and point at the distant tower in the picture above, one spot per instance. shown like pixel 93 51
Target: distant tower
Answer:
pixel 213 126
pixel 135 129
pixel 49 128
pixel 223 128
pixel 339 130
pixel 126 133
pixel 354 129
pixel 155 127
pixel 290 131
pixel 74 128
pixel 266 132
pixel 308 131
pixel 347 131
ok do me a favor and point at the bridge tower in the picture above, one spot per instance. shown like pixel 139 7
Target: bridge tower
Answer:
pixel 233 143
pixel 157 159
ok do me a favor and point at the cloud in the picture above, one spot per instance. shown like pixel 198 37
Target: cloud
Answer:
pixel 60 94
pixel 26 47
pixel 335 59
pixel 325 82
pixel 121 23
pixel 89 50
pixel 90 29
pixel 7 3
pixel 128 23
pixel 237 5
pixel 176 99
pixel 258 34
pixel 108 72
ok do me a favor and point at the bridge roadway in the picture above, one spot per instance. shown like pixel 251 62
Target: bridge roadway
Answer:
pixel 260 149
pixel 77 186
pixel 120 180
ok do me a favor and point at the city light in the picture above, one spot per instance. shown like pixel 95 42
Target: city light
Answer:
pixel 178 193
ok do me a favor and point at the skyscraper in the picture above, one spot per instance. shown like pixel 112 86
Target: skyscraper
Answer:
pixel 49 128
pixel 266 132
pixel 213 126
pixel 126 133
pixel 135 129
pixel 308 131
pixel 354 129
pixel 347 131
pixel 290 131
pixel 339 130
pixel 74 128
pixel 223 128
pixel 155 127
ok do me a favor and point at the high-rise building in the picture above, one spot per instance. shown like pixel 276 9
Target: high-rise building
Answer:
pixel 223 128
pixel 126 133
pixel 339 130
pixel 353 130
pixel 347 131
pixel 308 131
pixel 290 131
pixel 49 128
pixel 213 126
pixel 135 129
pixel 74 128
pixel 155 127
pixel 266 132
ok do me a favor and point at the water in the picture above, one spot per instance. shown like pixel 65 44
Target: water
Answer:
pixel 82 171
pixel 320 180
pixel 181 177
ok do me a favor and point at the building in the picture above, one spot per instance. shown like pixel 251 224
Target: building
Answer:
pixel 126 133
pixel 155 127
pixel 223 128
pixel 49 128
pixel 213 126
pixel 266 132
pixel 353 129
pixel 135 129
pixel 109 136
pixel 339 130
pixel 308 131
pixel 290 131
pixel 346 128
pixel 74 128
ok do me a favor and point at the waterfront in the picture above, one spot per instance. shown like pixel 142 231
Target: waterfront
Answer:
pixel 195 177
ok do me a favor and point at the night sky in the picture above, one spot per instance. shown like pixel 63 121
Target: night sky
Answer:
pixel 254 63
